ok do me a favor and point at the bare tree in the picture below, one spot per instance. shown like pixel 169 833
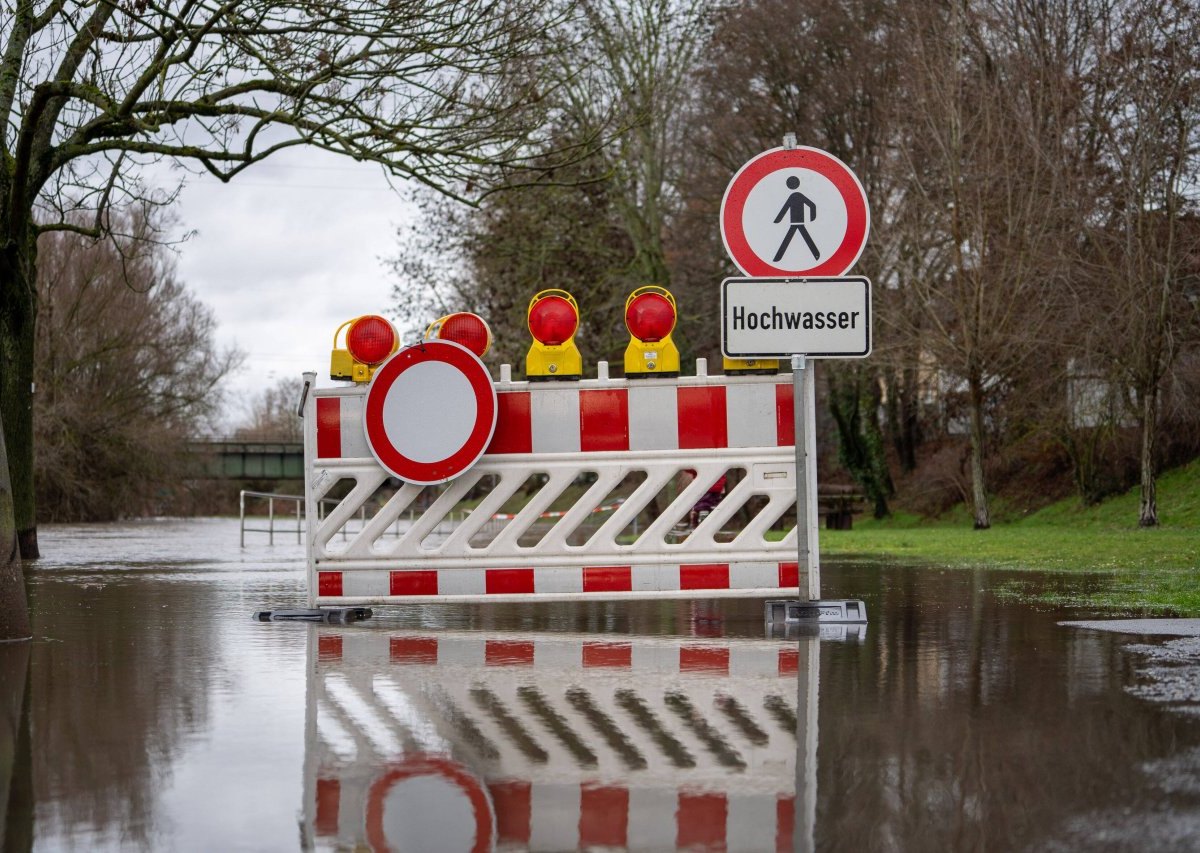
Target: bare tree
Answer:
pixel 597 228
pixel 272 414
pixel 1140 291
pixel 127 373
pixel 993 105
pixel 91 92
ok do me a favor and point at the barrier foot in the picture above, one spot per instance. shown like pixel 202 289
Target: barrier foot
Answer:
pixel 840 611
pixel 316 614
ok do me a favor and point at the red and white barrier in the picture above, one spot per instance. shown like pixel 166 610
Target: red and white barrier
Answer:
pixel 426 544
pixel 553 742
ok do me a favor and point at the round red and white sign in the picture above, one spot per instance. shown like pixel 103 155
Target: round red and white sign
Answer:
pixel 429 803
pixel 430 412
pixel 795 212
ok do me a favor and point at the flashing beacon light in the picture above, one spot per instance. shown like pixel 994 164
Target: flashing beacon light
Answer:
pixel 464 328
pixel 650 317
pixel 369 341
pixel 553 318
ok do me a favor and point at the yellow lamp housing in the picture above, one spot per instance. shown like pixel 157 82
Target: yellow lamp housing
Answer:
pixel 650 315
pixel 553 320
pixel 751 365
pixel 369 341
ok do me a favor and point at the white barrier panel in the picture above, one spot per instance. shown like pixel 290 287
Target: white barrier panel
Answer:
pixel 538 742
pixel 596 458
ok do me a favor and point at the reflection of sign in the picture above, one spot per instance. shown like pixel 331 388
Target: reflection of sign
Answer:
pixel 572 741
pixel 429 803
pixel 820 318
pixel 795 211
pixel 430 412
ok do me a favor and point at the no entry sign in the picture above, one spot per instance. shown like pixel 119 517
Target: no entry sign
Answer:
pixel 795 212
pixel 430 412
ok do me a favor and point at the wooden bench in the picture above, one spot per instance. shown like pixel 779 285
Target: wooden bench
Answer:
pixel 839 504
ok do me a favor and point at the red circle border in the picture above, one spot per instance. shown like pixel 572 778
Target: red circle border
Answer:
pixel 427 765
pixel 733 204
pixel 430 473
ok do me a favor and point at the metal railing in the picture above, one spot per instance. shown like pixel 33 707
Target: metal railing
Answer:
pixel 271 497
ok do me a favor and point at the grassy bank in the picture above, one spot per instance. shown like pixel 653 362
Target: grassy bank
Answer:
pixel 1136 570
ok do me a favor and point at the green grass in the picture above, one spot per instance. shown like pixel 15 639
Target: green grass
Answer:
pixel 1156 570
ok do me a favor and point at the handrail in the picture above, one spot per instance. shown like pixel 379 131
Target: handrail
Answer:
pixel 270 529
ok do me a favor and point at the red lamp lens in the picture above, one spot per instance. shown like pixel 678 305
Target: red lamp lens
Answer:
pixel 370 339
pixel 468 330
pixel 552 321
pixel 650 317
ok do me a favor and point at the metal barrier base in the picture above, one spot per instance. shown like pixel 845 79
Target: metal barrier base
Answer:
pixel 340 615
pixel 832 611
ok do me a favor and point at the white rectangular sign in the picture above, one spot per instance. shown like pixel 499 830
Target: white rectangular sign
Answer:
pixel 777 317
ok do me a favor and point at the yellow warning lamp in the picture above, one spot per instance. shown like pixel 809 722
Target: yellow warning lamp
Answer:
pixel 553 319
pixel 750 365
pixel 650 317
pixel 369 341
pixel 464 328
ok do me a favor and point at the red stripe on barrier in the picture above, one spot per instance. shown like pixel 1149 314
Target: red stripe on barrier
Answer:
pixel 514 428
pixel 604 419
pixel 704 660
pixel 329 583
pixel 785 417
pixel 789 661
pixel 329 647
pixel 607 579
pixel 700 821
pixel 508 653
pixel 509 581
pixel 702 420
pixel 413 582
pixel 603 816
pixel 329 801
pixel 704 576
pixel 785 824
pixel 789 574
pixel 607 655
pixel 514 813
pixel 329 427
pixel 423 650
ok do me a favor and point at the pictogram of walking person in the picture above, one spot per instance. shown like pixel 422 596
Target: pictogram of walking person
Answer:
pixel 794 209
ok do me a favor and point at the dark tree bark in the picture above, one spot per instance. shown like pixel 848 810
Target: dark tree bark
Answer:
pixel 14 608
pixel 18 311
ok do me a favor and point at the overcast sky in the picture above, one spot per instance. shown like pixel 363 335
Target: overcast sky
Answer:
pixel 286 252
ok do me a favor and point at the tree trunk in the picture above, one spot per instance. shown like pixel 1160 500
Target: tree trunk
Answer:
pixel 1148 508
pixel 14 608
pixel 983 518
pixel 18 313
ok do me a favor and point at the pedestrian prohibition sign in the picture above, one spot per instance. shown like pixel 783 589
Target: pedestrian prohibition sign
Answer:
pixel 430 412
pixel 795 212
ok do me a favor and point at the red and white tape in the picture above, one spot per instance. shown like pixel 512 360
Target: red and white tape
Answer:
pixel 749 412
pixel 416 584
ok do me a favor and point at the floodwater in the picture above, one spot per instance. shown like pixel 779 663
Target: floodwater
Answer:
pixel 160 716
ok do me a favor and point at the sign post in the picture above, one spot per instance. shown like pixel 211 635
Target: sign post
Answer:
pixel 795 220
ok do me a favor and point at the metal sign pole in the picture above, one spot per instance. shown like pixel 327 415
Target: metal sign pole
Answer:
pixel 810 480
pixel 804 413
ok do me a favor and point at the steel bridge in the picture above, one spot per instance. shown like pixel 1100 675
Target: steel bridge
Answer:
pixel 235 459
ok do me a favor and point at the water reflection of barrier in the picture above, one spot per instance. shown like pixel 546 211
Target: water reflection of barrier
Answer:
pixel 554 742
pixel 571 449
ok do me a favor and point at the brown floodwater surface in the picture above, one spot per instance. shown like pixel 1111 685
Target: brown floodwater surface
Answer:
pixel 152 713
